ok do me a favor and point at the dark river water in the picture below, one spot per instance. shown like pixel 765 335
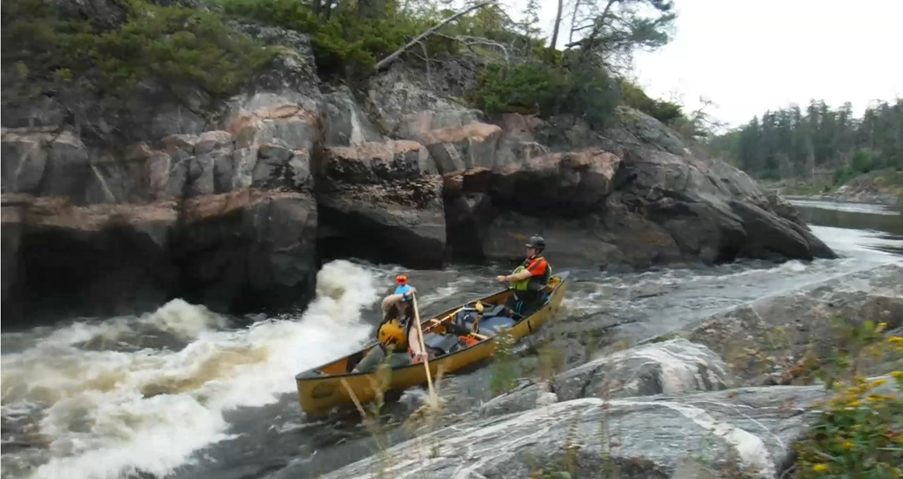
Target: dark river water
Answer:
pixel 185 393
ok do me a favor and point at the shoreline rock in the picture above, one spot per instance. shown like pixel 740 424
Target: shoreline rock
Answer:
pixel 749 428
pixel 403 176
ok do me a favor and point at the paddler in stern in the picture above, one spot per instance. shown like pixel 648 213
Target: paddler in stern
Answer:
pixel 397 333
pixel 529 280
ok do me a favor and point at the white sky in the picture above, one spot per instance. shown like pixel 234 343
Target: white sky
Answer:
pixel 749 56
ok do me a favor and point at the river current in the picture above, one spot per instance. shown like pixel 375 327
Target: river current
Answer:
pixel 184 392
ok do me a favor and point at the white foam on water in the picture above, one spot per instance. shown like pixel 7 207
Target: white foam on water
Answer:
pixel 108 414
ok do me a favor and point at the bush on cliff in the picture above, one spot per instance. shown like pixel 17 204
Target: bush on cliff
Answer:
pixel 176 44
pixel 342 43
pixel 543 89
pixel 663 111
pixel 169 44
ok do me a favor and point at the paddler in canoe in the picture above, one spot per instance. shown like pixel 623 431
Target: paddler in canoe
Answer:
pixel 398 341
pixel 454 339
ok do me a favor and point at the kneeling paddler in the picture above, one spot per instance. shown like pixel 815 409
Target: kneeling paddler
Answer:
pixel 397 332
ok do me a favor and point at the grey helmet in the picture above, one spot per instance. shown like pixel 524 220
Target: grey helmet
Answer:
pixel 537 242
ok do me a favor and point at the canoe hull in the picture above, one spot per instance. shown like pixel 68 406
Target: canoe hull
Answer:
pixel 320 394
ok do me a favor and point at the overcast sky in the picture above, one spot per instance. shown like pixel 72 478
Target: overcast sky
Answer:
pixel 749 56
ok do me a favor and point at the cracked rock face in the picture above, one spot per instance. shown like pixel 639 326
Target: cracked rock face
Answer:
pixel 644 437
pixel 403 172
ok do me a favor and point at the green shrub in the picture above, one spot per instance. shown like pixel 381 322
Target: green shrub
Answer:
pixel 859 432
pixel 343 43
pixel 527 88
pixel 538 88
pixel 594 95
pixel 862 161
pixel 169 44
pixel 661 110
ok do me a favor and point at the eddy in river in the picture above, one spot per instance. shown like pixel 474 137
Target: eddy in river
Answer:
pixel 397 339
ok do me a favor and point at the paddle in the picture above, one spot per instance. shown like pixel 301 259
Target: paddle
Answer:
pixel 434 400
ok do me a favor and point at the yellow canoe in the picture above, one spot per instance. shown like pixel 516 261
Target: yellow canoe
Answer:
pixel 320 389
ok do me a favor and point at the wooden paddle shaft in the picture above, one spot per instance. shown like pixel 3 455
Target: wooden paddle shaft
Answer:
pixel 426 361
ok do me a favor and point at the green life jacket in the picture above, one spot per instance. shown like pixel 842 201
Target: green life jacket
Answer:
pixel 533 283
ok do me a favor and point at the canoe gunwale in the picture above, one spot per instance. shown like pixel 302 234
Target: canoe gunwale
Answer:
pixel 562 279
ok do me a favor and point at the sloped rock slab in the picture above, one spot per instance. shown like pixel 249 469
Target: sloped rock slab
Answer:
pixel 528 397
pixel 765 340
pixel 646 438
pixel 672 367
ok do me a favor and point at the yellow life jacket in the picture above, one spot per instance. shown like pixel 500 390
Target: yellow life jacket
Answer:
pixel 533 283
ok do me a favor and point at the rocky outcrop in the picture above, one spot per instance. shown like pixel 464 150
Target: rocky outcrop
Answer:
pixel 528 396
pixel 668 408
pixel 264 185
pixel 225 217
pixel 378 199
pixel 671 367
pixel 771 340
pixel 234 228
pixel 879 187
pixel 597 195
pixel 749 430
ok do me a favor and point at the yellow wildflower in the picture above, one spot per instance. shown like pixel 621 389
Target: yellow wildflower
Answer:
pixel 855 404
pixel 878 382
pixel 881 327
pixel 819 468
pixel 897 374
pixel 848 445
pixel 895 339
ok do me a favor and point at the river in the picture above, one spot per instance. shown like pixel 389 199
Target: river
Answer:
pixel 187 393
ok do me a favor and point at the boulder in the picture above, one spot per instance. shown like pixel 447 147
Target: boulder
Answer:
pixel 292 71
pixel 672 367
pixel 525 398
pixel 344 124
pixel 614 236
pixel 103 259
pixel 750 430
pixel 248 249
pixel 25 160
pixel 571 184
pixel 406 108
pixel 381 201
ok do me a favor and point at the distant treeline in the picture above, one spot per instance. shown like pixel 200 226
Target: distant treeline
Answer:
pixel 789 143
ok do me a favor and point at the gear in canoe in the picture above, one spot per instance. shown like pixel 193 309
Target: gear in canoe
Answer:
pixel 453 340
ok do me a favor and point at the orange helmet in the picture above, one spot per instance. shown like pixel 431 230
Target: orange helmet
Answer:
pixel 401 280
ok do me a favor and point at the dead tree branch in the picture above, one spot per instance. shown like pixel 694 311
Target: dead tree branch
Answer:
pixel 469 42
pixel 426 58
pixel 392 57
